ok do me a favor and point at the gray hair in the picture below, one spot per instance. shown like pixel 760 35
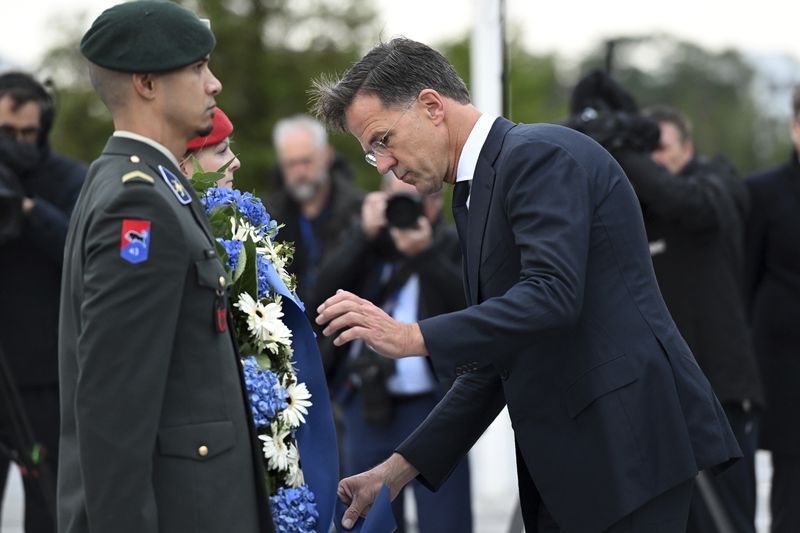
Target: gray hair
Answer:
pixel 395 72
pixel 302 122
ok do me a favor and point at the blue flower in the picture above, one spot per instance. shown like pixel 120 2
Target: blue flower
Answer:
pixel 267 397
pixel 218 196
pixel 294 510
pixel 234 250
pixel 248 205
pixel 262 266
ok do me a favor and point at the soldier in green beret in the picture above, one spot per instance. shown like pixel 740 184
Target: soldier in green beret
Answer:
pixel 156 429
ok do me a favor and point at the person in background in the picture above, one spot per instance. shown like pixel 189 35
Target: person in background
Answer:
pixel 403 257
pixel 773 289
pixel 213 151
pixel 694 211
pixel 317 201
pixel 39 189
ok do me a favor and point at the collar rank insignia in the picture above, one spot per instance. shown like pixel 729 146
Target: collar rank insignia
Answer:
pixel 175 185
pixel 135 242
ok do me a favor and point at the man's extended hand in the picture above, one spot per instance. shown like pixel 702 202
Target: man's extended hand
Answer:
pixel 361 319
pixel 360 491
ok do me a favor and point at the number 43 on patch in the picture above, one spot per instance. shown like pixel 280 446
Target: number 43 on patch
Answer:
pixel 135 241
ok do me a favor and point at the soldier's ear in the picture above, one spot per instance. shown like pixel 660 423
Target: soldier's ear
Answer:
pixel 144 85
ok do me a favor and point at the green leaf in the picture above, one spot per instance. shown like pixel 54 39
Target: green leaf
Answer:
pixel 240 266
pixel 248 279
pixel 202 180
pixel 264 361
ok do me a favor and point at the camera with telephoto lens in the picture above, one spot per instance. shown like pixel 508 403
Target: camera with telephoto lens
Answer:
pixel 403 209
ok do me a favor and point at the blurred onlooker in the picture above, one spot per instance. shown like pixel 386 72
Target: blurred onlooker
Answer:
pixel 694 211
pixel 773 286
pixel 317 200
pixel 405 258
pixel 39 189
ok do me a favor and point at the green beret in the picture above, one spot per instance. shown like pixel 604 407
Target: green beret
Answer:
pixel 147 36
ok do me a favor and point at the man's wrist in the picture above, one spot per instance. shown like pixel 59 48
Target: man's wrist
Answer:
pixel 397 472
pixel 414 342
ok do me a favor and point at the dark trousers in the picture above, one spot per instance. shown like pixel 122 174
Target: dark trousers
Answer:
pixel 785 493
pixel 733 492
pixel 41 406
pixel 447 510
pixel 666 513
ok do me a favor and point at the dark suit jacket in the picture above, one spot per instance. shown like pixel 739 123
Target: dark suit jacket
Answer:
pixel 568 328
pixel 773 266
pixel 156 432
pixel 695 224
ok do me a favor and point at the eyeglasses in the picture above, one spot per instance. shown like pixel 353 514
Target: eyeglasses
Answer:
pixel 379 148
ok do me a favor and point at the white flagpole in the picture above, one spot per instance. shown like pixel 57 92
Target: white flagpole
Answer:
pixel 492 459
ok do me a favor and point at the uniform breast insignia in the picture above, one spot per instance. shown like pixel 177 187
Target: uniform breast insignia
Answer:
pixel 175 185
pixel 135 242
pixel 138 176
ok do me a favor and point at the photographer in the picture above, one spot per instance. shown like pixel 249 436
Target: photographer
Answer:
pixel 405 258
pixel 693 211
pixel 38 189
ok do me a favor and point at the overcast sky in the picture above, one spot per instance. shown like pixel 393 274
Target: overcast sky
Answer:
pixel 566 27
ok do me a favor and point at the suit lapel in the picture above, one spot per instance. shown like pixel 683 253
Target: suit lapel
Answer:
pixel 480 198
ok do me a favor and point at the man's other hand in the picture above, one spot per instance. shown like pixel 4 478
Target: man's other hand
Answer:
pixel 360 491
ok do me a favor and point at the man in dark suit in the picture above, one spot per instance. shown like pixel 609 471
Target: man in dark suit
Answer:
pixel 156 433
pixel 38 189
pixel 403 257
pixel 773 275
pixel 612 416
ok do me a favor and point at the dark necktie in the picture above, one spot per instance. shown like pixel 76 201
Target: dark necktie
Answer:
pixel 460 212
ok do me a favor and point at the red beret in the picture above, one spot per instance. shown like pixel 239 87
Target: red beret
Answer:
pixel 222 129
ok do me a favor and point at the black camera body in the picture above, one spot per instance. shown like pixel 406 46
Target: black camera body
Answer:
pixel 617 129
pixel 403 209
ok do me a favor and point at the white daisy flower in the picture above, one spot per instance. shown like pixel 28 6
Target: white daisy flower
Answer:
pixel 272 252
pixel 298 404
pixel 275 451
pixel 294 475
pixel 264 322
pixel 242 230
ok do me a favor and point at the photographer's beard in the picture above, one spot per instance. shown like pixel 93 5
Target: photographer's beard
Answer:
pixel 19 158
pixel 306 191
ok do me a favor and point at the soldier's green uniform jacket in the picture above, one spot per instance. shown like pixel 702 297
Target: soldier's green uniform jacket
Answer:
pixel 156 432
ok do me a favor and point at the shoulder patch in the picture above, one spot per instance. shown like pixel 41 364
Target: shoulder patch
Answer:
pixel 138 176
pixel 135 242
pixel 175 185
